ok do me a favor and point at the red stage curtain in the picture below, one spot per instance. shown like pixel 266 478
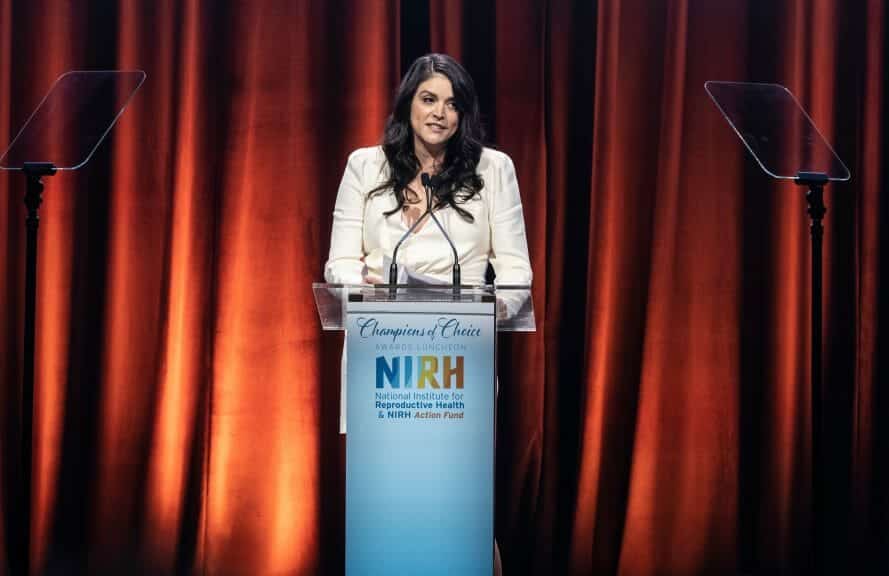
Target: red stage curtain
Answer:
pixel 657 423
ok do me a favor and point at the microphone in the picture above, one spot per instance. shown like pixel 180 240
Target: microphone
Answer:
pixel 393 267
pixel 431 183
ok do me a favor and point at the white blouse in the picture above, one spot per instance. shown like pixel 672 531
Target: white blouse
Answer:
pixel 363 237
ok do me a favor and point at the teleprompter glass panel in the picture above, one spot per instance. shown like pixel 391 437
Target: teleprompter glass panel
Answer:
pixel 74 117
pixel 776 130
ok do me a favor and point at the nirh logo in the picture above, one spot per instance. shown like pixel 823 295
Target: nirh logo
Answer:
pixel 434 371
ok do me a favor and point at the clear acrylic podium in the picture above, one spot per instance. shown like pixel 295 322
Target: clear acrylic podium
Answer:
pixel 514 309
pixel 62 134
pixel 420 395
pixel 787 145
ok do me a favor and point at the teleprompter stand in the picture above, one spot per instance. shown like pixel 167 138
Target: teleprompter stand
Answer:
pixel 787 145
pixel 62 134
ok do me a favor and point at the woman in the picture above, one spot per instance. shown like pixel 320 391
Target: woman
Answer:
pixel 434 128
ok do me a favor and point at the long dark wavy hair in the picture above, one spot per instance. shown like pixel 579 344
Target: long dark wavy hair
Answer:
pixel 459 180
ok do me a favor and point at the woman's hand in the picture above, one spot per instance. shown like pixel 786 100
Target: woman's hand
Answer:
pixel 371 278
pixel 368 277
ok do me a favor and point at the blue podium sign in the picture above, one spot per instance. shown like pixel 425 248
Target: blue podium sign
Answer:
pixel 420 442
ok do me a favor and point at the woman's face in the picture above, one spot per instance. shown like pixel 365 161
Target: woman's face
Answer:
pixel 434 116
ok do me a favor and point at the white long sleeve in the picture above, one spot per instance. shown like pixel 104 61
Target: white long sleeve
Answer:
pixel 345 262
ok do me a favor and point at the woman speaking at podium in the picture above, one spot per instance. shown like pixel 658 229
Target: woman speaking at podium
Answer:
pixel 434 129
pixel 434 133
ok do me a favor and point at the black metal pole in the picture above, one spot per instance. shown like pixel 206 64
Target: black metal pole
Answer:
pixel 815 198
pixel 34 173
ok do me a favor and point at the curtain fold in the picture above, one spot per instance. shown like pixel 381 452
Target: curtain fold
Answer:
pixel 658 422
